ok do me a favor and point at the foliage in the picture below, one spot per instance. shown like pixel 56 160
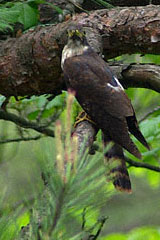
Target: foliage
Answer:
pixel 138 58
pixel 83 180
pixel 24 12
pixel 75 183
pixel 150 129
pixel 144 233
pixel 27 13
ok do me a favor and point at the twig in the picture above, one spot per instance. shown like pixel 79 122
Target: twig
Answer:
pixel 142 165
pixel 149 113
pixel 102 222
pixel 24 123
pixel 20 139
pixel 83 218
pixel 99 222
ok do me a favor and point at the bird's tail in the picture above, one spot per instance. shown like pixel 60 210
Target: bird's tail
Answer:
pixel 117 170
pixel 118 132
pixel 134 129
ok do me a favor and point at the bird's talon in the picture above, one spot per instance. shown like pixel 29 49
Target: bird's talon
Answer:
pixel 82 116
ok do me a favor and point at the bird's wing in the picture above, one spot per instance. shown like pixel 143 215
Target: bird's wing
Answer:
pixel 94 82
pixel 107 105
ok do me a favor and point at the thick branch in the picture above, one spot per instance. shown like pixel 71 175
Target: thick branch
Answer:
pixel 93 5
pixel 138 75
pixel 86 132
pixel 134 2
pixel 31 64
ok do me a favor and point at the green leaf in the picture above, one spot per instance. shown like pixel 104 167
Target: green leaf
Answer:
pixel 9 16
pixel 36 1
pixel 151 127
pixel 10 226
pixel 2 99
pixel 33 115
pixel 41 100
pixel 58 101
pixel 144 233
pixel 138 58
pixel 28 15
pixel 5 26
pixel 47 113
pixel 150 58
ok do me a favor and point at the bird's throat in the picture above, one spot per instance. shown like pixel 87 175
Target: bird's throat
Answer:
pixel 71 51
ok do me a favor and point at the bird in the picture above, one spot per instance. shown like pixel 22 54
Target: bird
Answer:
pixel 99 92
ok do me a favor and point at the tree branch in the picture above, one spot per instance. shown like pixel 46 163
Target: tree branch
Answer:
pixel 134 2
pixel 30 65
pixel 142 165
pixel 138 75
pixel 85 132
pixel 20 139
pixel 149 113
pixel 24 123
pixel 89 5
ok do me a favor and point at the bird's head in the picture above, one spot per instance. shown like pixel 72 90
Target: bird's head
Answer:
pixel 76 34
pixel 77 37
pixel 76 45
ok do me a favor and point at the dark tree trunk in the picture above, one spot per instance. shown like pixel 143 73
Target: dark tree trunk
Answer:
pixel 30 64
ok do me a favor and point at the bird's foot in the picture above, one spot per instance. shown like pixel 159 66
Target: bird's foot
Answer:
pixel 83 116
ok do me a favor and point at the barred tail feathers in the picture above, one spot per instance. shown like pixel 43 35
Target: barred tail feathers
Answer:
pixel 117 170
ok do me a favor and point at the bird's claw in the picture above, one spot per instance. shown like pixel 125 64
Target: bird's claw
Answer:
pixel 83 116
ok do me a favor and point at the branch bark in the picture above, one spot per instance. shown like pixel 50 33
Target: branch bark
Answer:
pixel 30 65
pixel 138 75
pixel 86 133
pixel 134 2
